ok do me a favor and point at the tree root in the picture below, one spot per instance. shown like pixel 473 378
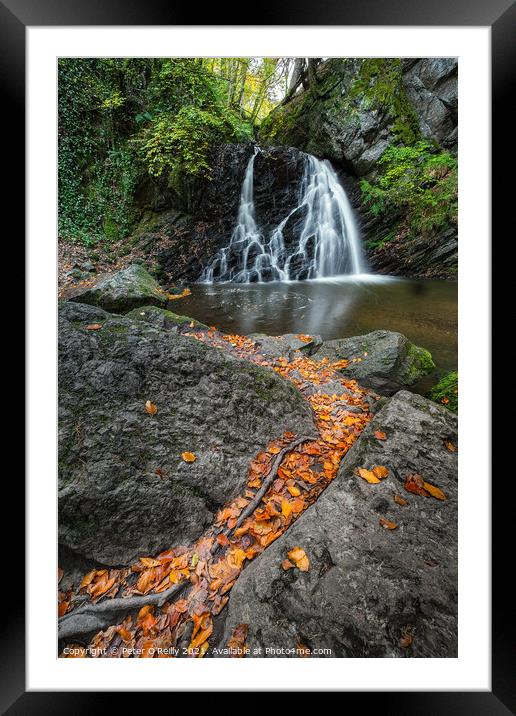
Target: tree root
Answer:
pixel 251 507
pixel 94 617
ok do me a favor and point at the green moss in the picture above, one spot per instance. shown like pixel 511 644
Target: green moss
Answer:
pixel 419 362
pixel 446 392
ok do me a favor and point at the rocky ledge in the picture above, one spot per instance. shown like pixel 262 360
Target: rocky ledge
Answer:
pixel 370 591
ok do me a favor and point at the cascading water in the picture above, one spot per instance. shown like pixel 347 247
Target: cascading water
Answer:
pixel 326 241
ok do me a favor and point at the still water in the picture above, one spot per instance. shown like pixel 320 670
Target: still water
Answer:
pixel 425 311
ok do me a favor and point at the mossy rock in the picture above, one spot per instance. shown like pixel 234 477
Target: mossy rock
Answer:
pixel 163 318
pixel 446 392
pixel 122 291
pixel 385 361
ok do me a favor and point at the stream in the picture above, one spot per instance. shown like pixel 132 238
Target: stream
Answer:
pixel 424 311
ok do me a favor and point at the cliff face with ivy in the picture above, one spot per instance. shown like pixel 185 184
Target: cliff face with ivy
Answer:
pixel 391 125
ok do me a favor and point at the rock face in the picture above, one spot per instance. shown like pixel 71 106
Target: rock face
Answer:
pixel 431 87
pixel 356 111
pixel 370 591
pixel 124 490
pixel 385 361
pixel 122 291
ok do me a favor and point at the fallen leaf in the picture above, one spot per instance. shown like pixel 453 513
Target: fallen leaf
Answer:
pixel 286 508
pixel 434 491
pixel 237 642
pixel 222 539
pixel 149 562
pixel 302 651
pixel 415 484
pixel 300 559
pixel 380 471
pixel 368 476
pixel 400 501
pixel 61 609
pixel 387 524
pixel 287 564
pixel 450 446
pixel 406 640
pixel 380 435
pixel 294 491
pixel 151 408
pixel 189 456
pixel 94 326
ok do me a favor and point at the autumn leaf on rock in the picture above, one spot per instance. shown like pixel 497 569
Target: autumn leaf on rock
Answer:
pixel 294 491
pixel 286 509
pixel 415 484
pixel 450 446
pixel 380 435
pixel 94 326
pixel 380 471
pixel 400 501
pixel 62 607
pixel 149 562
pixel 368 476
pixel 387 524
pixel 287 564
pixel 189 456
pixel 434 491
pixel 237 642
pixel 406 640
pixel 151 408
pixel 298 556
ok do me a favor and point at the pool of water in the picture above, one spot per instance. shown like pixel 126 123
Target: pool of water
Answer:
pixel 425 311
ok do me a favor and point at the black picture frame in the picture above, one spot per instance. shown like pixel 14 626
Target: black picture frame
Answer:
pixel 500 16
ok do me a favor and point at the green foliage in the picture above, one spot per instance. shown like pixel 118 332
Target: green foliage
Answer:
pixel 419 180
pixel 123 119
pixel 446 392
pixel 380 84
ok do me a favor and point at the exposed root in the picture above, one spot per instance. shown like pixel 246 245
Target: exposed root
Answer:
pixel 94 617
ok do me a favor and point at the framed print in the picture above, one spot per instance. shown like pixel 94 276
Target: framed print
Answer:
pixel 249 309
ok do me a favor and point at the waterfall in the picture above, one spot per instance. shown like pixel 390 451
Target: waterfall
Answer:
pixel 323 238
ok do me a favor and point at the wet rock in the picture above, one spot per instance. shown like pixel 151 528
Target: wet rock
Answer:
pixel 385 361
pixel 289 345
pixel 124 490
pixel 121 291
pixel 162 318
pixel 370 591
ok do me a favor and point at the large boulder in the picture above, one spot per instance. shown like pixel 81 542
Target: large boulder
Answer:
pixel 288 345
pixel 369 591
pixel 384 361
pixel 121 291
pixel 124 489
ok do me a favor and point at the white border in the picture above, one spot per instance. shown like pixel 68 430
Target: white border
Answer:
pixel 471 671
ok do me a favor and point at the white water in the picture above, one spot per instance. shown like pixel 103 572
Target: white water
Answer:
pixel 326 241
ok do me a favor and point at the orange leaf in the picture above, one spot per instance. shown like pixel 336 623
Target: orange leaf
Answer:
pixel 450 446
pixel 189 456
pixel 151 408
pixel 368 476
pixel 399 500
pixel 415 484
pixel 61 609
pixel 434 491
pixel 387 524
pixel 222 539
pixel 149 562
pixel 287 564
pixel 286 508
pixel 294 491
pixel 94 326
pixel 380 435
pixel 300 559
pixel 380 471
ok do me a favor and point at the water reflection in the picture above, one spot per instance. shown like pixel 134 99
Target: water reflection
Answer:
pixel 425 311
